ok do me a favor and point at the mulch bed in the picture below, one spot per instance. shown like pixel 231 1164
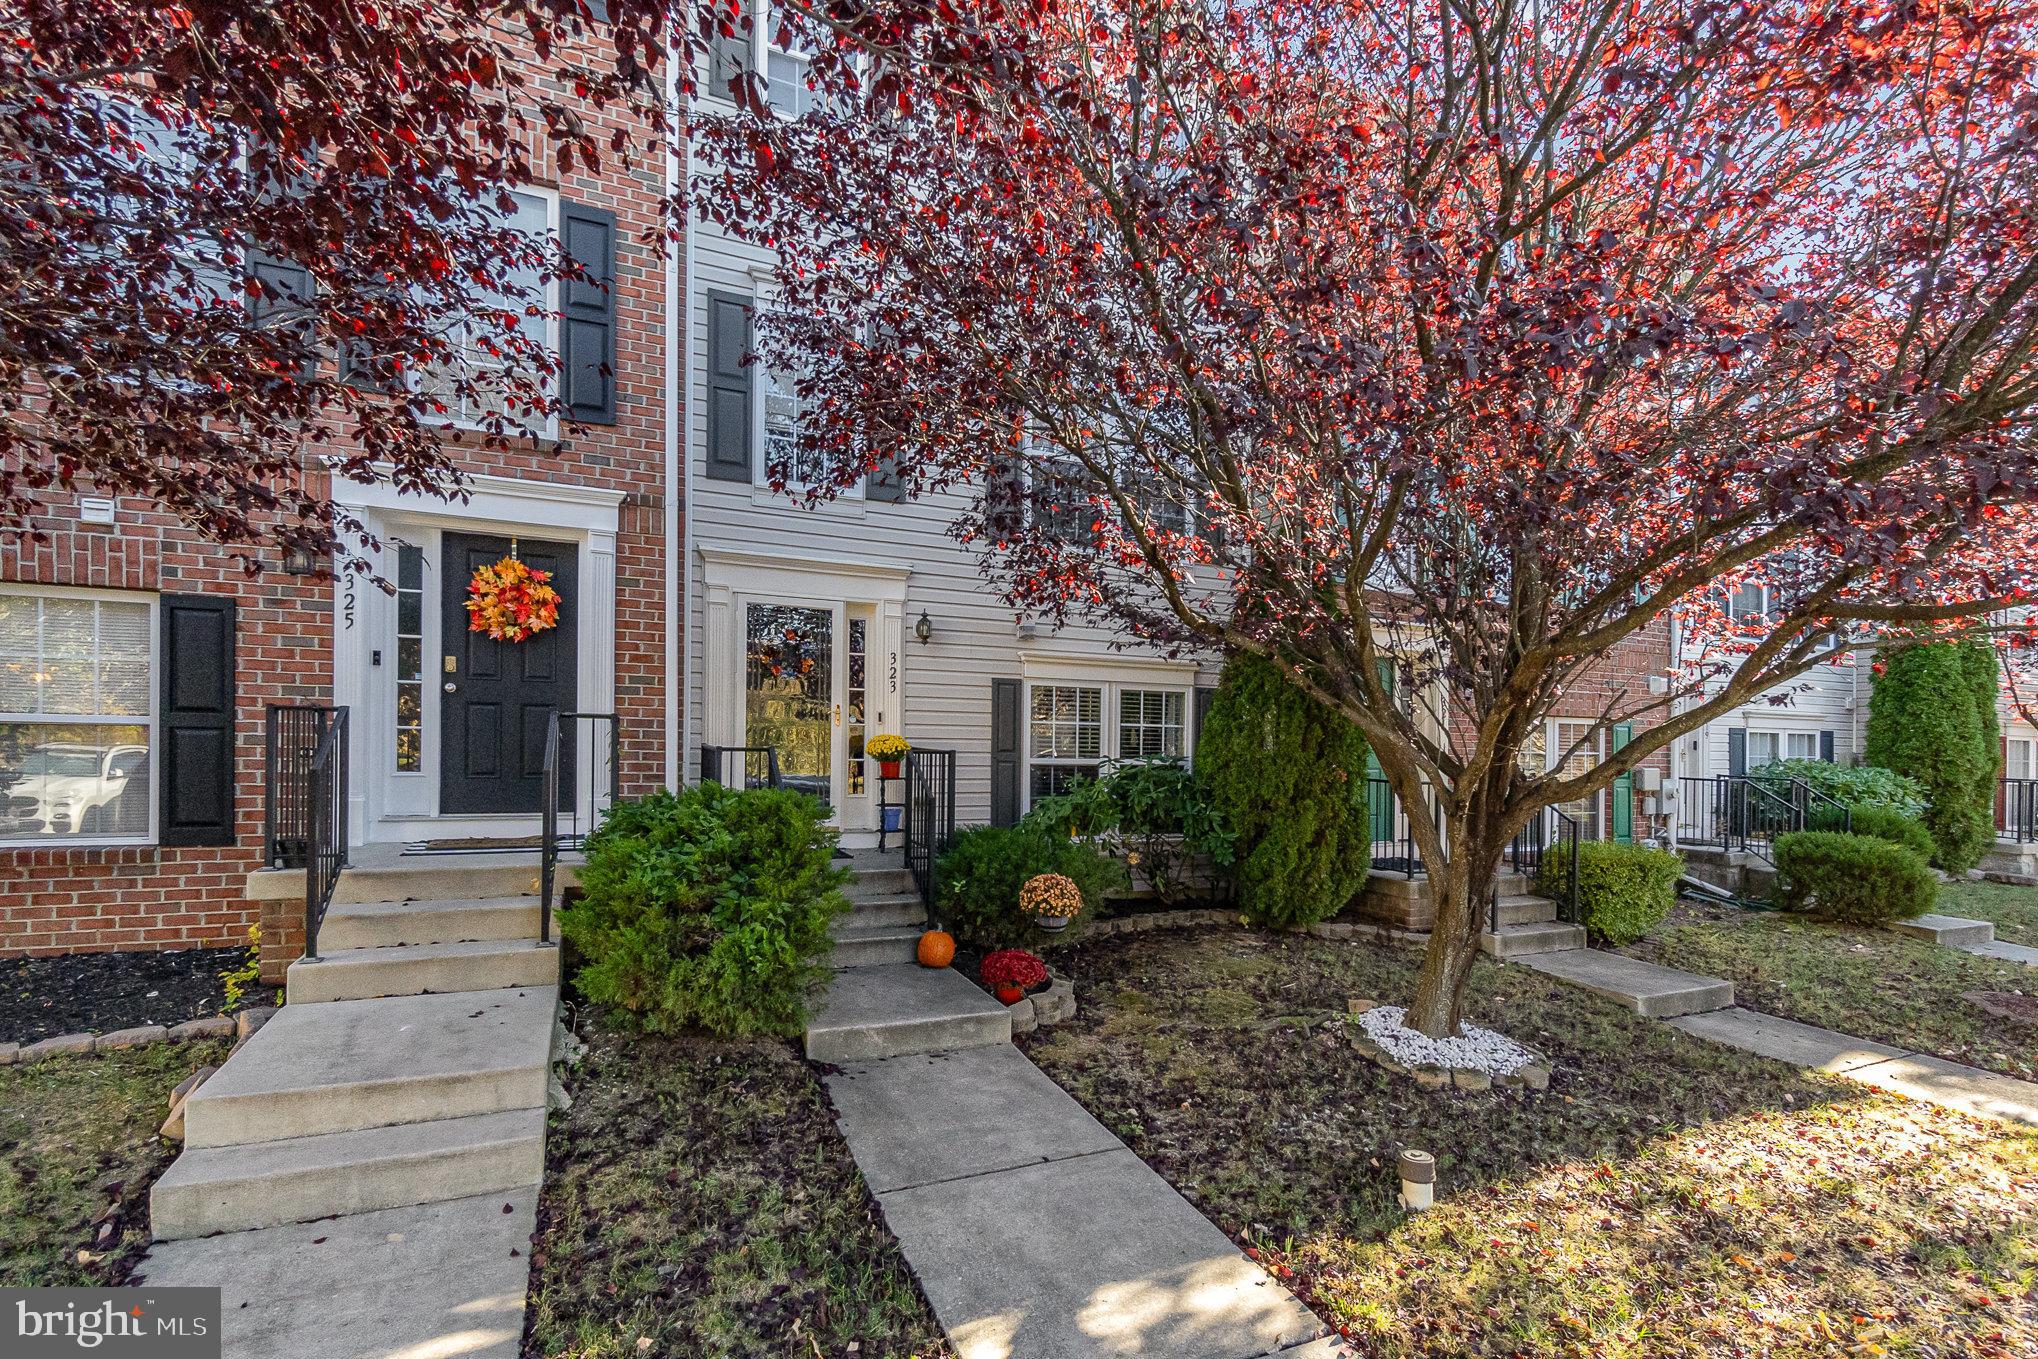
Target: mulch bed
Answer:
pixel 101 992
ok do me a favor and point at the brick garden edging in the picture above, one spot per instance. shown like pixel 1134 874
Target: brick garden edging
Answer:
pixel 1230 919
pixel 238 1025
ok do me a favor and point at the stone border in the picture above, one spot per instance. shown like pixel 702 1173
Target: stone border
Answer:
pixel 237 1026
pixel 1534 1076
pixel 1052 1006
pixel 1229 919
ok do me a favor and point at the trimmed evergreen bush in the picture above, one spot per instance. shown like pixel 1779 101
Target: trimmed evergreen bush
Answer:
pixel 978 882
pixel 1856 785
pixel 1895 827
pixel 1624 891
pixel 1932 716
pixel 708 907
pixel 1289 776
pixel 1856 879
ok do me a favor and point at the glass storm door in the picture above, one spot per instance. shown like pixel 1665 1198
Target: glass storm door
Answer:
pixel 792 691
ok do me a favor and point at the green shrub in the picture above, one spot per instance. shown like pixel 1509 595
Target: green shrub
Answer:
pixel 1858 879
pixel 978 882
pixel 1856 785
pixel 1932 716
pixel 1624 891
pixel 1289 776
pixel 1160 810
pixel 708 907
pixel 1895 827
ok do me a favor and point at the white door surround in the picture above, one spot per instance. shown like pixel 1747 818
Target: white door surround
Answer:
pixel 732 578
pixel 391 806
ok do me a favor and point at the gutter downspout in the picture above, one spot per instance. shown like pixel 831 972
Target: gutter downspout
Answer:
pixel 678 525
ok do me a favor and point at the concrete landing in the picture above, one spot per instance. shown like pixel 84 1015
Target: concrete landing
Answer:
pixel 899 1008
pixel 1649 990
pixel 439 1281
pixel 2004 951
pixel 1957 931
pixel 1930 1080
pixel 1037 1235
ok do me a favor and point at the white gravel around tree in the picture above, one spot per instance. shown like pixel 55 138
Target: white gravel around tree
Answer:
pixel 1472 1049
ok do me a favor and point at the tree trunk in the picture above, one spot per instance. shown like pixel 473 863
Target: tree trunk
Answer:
pixel 1461 887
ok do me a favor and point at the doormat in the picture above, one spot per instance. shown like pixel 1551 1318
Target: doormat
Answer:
pixel 471 845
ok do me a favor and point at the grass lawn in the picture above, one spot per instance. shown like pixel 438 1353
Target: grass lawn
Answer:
pixel 78 1134
pixel 2013 909
pixel 700 1202
pixel 1871 983
pixel 1665 1197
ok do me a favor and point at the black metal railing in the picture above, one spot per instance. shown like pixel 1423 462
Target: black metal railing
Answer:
pixel 292 738
pixel 325 852
pixel 1551 838
pixel 1817 811
pixel 572 763
pixel 741 766
pixel 1737 812
pixel 929 819
pixel 1394 845
pixel 2017 810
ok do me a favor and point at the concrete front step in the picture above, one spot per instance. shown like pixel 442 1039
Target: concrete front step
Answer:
pixel 422 969
pixel 871 883
pixel 386 876
pixel 860 945
pixel 228 1189
pixel 351 1064
pixel 1649 990
pixel 873 1012
pixel 1517 941
pixel 1952 930
pixel 387 924
pixel 887 910
pixel 1523 909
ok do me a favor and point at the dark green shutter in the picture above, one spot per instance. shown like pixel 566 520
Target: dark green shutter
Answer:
pixel 885 484
pixel 1200 701
pixel 283 302
pixel 587 315
pixel 1006 761
pixel 1826 746
pixel 729 388
pixel 195 784
pixel 1623 789
pixel 1737 750
pixel 728 55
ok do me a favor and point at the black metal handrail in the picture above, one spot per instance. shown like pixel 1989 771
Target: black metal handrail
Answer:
pixel 1737 812
pixel 325 856
pixel 292 736
pixel 1396 851
pixel 929 820
pixel 561 769
pixel 715 766
pixel 1820 811
pixel 2017 810
pixel 1552 830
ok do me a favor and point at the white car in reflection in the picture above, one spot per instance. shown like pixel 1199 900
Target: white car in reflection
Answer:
pixel 70 789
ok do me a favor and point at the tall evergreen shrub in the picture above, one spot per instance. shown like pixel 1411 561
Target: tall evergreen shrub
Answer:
pixel 1289 776
pixel 1932 717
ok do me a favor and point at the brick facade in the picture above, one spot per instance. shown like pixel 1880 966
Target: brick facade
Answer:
pixel 66 898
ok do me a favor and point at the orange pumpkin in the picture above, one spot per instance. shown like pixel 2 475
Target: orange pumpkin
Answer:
pixel 937 948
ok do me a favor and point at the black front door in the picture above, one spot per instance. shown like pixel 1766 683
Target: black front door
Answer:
pixel 496 697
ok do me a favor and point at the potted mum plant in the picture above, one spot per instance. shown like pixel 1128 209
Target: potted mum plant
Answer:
pixel 1011 973
pixel 887 750
pixel 1052 900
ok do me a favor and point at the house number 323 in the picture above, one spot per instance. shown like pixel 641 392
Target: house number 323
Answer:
pixel 892 672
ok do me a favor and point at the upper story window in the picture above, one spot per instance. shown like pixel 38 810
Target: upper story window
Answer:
pixel 77 716
pixel 480 359
pixel 1749 603
pixel 730 56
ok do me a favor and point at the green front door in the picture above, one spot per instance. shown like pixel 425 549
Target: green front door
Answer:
pixel 1623 789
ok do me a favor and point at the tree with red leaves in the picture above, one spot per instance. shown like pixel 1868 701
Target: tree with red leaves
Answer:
pixel 1433 350
pixel 246 247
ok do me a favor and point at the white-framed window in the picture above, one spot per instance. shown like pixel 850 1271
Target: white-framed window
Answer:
pixel 1566 733
pixel 77 716
pixel 478 355
pixel 785 67
pixel 2020 758
pixel 1076 729
pixel 1800 745
pixel 1749 603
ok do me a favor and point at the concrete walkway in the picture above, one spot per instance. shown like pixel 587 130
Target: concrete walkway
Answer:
pixel 1932 1080
pixel 1969 936
pixel 1037 1234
